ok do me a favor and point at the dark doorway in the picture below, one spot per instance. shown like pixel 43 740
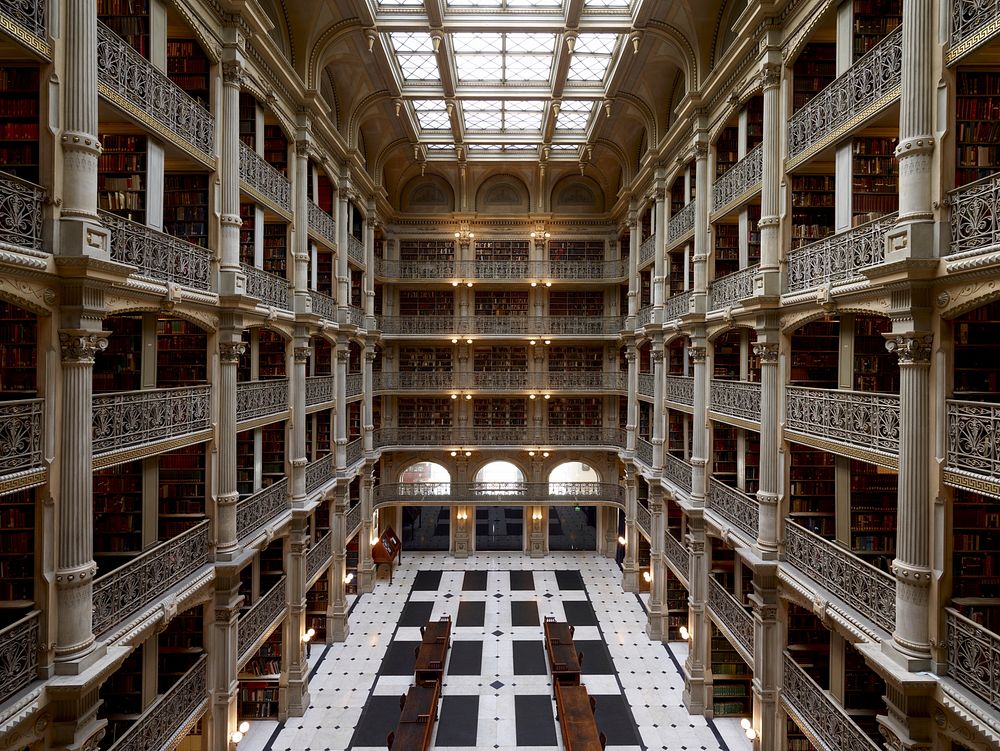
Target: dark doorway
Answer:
pixel 426 527
pixel 499 528
pixel 573 528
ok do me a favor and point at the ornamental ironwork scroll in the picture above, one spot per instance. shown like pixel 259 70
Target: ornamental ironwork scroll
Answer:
pixel 973 657
pixel 736 398
pixel 742 177
pixel 974 437
pixel 975 216
pixel 857 418
pixel 264 179
pixel 255 621
pixel 254 511
pixel 840 258
pixel 733 289
pixel 21 212
pixel 269 288
pixel 261 398
pixel 677 471
pixel 323 306
pixel 680 390
pixel 733 615
pixel 319 390
pixel 19 654
pixel 135 418
pixel 681 224
pixel 21 435
pixel 318 556
pixel 322 224
pixel 158 255
pixel 318 473
pixel 734 506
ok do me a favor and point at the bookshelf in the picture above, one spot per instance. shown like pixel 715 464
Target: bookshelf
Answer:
pixel 723 565
pixel 622 412
pixel 276 148
pixel 727 150
pixel 755 121
pixel 751 462
pixel 676 356
pixel 179 646
pixel 675 278
pixel 577 358
pixel 797 740
pixel 324 272
pixel 576 250
pixel 181 353
pixel 499 413
pixel 875 368
pixel 188 67
pixel 873 19
pixel 121 178
pixel 501 250
pixel 118 367
pixel 576 303
pixel 272 453
pixel 317 603
pixel 357 291
pixel 244 463
pixel 976 557
pixel 676 433
pixel 121 697
pixel 248 120
pixel 727 249
pixel 724 453
pixel 322 357
pixel 129 19
pixel 815 68
pixel 726 355
pixel 353 420
pixel 677 195
pixel 753 234
pixel 645 288
pixel 977 358
pixel 500 359
pixel 812 490
pixel 645 420
pixel 491 302
pixel 873 513
pixel 874 179
pixel 19 128
pixel 730 679
pixel 270 355
pixel 809 643
pixel 18 352
pixel 427 412
pixel 815 355
pixel 258 693
pixel 414 302
pixel 248 231
pixel 677 606
pixel 182 490
pixel 276 248
pixel 580 411
pixel 977 125
pixel 413 359
pixel 272 564
pixel 426 250
pixel 117 515
pixel 17 553
pixel 185 206
pixel 863 692
pixel 813 204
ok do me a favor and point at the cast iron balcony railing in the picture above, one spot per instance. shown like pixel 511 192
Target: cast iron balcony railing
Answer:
pixel 729 291
pixel 21 436
pixel 735 506
pixel 680 224
pixel 22 206
pixel 319 390
pixel 318 473
pixel 170 713
pixel 677 306
pixel 500 381
pixel 540 271
pixel 647 249
pixel 644 317
pixel 125 419
pixel 680 390
pixel 503 325
pixel 735 398
pixel 816 712
pixel 354 451
pixel 353 384
pixel 733 616
pixel 256 510
pixel 972 23
pixel 269 288
pixel 582 435
pixel 647 384
pixel 264 180
pixel 19 654
pixel 975 216
pixel 355 249
pixel 643 520
pixel 870 591
pixel 856 95
pixel 30 16
pixel 139 582
pixel 259 617
pixel 676 552
pixel 132 82
pixel 318 556
pixel 354 316
pixel 261 398
pixel 840 258
pixel 352 522
pixel 322 225
pixel 974 437
pixel 157 255
pixel 855 418
pixel 415 270
pixel 677 471
pixel 742 178
pixel 499 492
pixel 974 657
pixel 644 451
pixel 323 305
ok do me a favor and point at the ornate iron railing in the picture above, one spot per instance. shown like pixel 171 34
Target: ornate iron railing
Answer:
pixel 498 381
pixel 647 248
pixel 677 306
pixel 867 86
pixel 733 289
pixel 134 418
pixel 352 521
pixel 319 390
pixel 19 654
pixel 322 224
pixel 647 384
pixel 644 451
pixel 255 621
pixel 734 506
pixel 439 269
pixel 680 390
pixel 256 510
pixel 318 556
pixel 355 451
pixel 323 305
pixel 170 712
pixel 269 288
pixel 131 81
pixel 499 492
pixel 973 21
pixel 29 15
pixel 21 212
pixel 519 270
pixel 264 179
pixel 644 317
pixel 506 325
pixel 975 216
pixel 741 178
pixel 681 224
pixel 974 437
pixel 733 615
pixel 21 435
pixel 676 552
pixel 121 592
pixel 870 591
pixel 736 398
pixel 677 471
pixel 855 418
pixel 815 711
pixel 318 473
pixel 508 268
pixel 552 436
pixel 973 657
pixel 643 520
pixel 839 258
pixel 355 316
pixel 354 384
pixel 158 255
pixel 261 398
pixel 355 249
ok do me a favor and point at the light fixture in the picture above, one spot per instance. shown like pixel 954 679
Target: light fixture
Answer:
pixel 548 341
pixel 647 577
pixel 468 397
pixel 751 734
pixel 236 737
pixel 454 284
pixel 454 340
pixel 468 341
pixel 531 453
pixel 454 396
pixel 745 723
pixel 536 516
pixel 621 539
pixel 685 634
pixel 532 342
pixel 458 234
pixel 468 284
pixel 454 453
pixel 468 453
pixel 308 635
pixel 531 396
pixel 547 396
pixel 349 578
pixel 534 284
pixel 547 235
pixel 548 284
pixel 244 727
pixel 462 515
pixel 545 454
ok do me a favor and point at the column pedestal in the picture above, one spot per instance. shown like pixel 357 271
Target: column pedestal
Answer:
pixel 695 691
pixel 337 626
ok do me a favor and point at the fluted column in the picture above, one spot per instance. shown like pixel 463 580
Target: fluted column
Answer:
pixel 695 693
pixel 369 302
pixel 632 412
pixel 338 627
pixel 654 622
pixel 699 438
pixel 231 280
pixel 297 459
pixel 630 566
pixel 340 416
pixel 367 389
pixel 633 260
pixel 766 657
pixel 76 568
pixel 223 655
pixel 296 665
pixel 770 183
pixel 658 385
pixel 366 566
pixel 230 348
pixel 659 237
pixel 701 199
pixel 768 490
pixel 343 229
pixel 300 225
pixel 916 112
pixel 911 566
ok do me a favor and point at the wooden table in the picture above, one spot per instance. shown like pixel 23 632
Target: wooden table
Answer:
pixel 430 660
pixel 437 630
pixel 576 719
pixel 563 657
pixel 416 722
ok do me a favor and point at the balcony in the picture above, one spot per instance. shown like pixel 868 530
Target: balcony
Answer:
pixel 867 87
pixel 644 451
pixel 680 390
pixel 19 643
pixel 740 181
pixel 264 182
pixel 973 657
pixel 355 250
pixel 730 613
pixel 677 471
pixel 21 441
pixel 473 493
pixel 354 452
pixel 501 325
pixel 735 506
pixel 167 720
pixel 858 419
pixel 259 619
pixel 22 209
pixel 676 553
pixel 139 582
pixel 448 270
pixel 975 216
pixel 268 288
pixel 973 23
pixel 159 256
pixel 644 521
pixel 128 419
pixel 323 306
pixel 827 724
pixel 973 444
pixel 319 390
pixel 644 317
pixel 647 384
pixel 354 317
pixel 318 473
pixel 677 306
pixel 500 381
pixel 739 399
pixel 647 249
pixel 352 521
pixel 257 399
pixel 869 590
pixel 353 384
pixel 322 226
pixel 681 225
pixel 840 258
pixel 256 510
pixel 435 437
pixel 730 291
pixel 318 556
pixel 130 81
pixel 26 20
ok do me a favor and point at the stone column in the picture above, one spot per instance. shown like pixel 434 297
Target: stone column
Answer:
pixel 767 649
pixel 343 272
pixel 300 222
pixel 702 196
pixel 223 655
pixel 658 384
pixel 296 666
pixel 340 416
pixel 460 543
pixel 654 623
pixel 367 389
pixel 911 566
pixel 659 237
pixel 695 693
pixel 699 441
pixel 232 281
pixel 632 414
pixel 366 566
pixel 770 184
pixel 768 490
pixel 537 531
pixel 369 284
pixel 630 566
pixel 633 260
pixel 297 460
pixel 75 568
pixel 337 626
pixel 230 348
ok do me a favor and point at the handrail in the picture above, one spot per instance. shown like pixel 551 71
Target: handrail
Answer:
pixel 19 643
pixel 125 419
pixel 21 211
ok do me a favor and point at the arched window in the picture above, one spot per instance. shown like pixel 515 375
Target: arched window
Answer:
pixel 427 478
pixel 500 478
pixel 568 478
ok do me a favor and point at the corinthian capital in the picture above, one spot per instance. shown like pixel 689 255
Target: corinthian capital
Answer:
pixel 80 345
pixel 770 77
pixel 910 348
pixel 697 353
pixel 233 72
pixel 231 351
pixel 767 352
pixel 302 354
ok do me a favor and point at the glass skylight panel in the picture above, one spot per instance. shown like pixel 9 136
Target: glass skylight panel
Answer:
pixel 400 3
pixel 563 146
pixel 502 147
pixel 504 116
pixel 574 115
pixel 502 58
pixel 432 114
pixel 415 55
pixel 607 3
pixel 522 115
pixel 591 57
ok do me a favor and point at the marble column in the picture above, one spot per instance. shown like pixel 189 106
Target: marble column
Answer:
pixel 232 281
pixel 343 272
pixel 366 566
pixel 770 184
pixel 633 259
pixel 230 348
pixel 632 412
pixel 367 389
pixel 658 385
pixel 702 196
pixel 223 655
pixel 343 358
pixel 915 151
pixel 654 622
pixel 296 671
pixel 300 225
pixel 699 439
pixel 369 281
pixel 297 460
pixel 337 626
pixel 767 650
pixel 768 490
pixel 659 237
pixel 630 566
pixel 695 691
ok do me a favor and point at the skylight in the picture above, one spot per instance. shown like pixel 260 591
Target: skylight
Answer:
pixel 432 114
pixel 497 115
pixel 591 57
pixel 574 116
pixel 415 55
pixel 607 3
pixel 503 58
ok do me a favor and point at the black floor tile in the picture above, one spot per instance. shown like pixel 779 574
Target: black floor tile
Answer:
pixel 596 658
pixel 521 581
pixel 529 658
pixel 615 720
pixel 466 658
pixel 399 658
pixel 474 581
pixel 458 723
pixel 580 613
pixel 415 613
pixel 524 613
pixel 379 718
pixel 534 720
pixel 427 581
pixel 569 580
pixel 471 614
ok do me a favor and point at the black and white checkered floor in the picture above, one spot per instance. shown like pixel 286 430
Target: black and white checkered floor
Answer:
pixel 497 693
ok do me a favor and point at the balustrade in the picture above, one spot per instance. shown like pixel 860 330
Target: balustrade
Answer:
pixel 734 506
pixel 647 384
pixel 22 209
pixel 731 613
pixel 354 317
pixel 503 325
pixel 264 180
pixel 647 249
pixel 269 288
pixel 736 398
pixel 972 23
pixel 19 643
pixel 355 451
pixel 353 384
pixel 449 269
pixel 677 306
pixel 31 16
pixel 676 553
pixel 856 418
pixel 256 510
pixel 323 305
pixel 643 521
pixel 680 390
pixel 157 255
pixel 126 419
pixel 318 556
pixel 499 381
pixel 552 436
pixel 742 178
pixel 413 270
pixel 21 435
pixel 680 224
pixel 729 291
pixel 352 522
pixel 355 250
pixel 499 492
pixel 322 225
pixel 318 473
pixel 975 216
pixel 256 621
pixel 974 437
pixel 261 398
pixel 319 390
pixel 644 317
pixel 973 657
pixel 677 471
pixel 840 258
pixel 644 451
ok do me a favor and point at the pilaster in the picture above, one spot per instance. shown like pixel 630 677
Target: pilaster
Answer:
pixel 460 540
pixel 231 347
pixel 655 615
pixel 699 440
pixel 337 626
pixel 659 237
pixel 537 542
pixel 632 417
pixel 630 566
pixel 695 690
pixel 297 394
pixel 223 655
pixel 768 492
pixel 366 566
pixel 231 278
pixel 296 671
pixel 658 385
pixel 768 282
pixel 343 228
pixel 633 260
pixel 343 358
pixel 300 218
pixel 702 196
pixel 367 390
pixel 767 651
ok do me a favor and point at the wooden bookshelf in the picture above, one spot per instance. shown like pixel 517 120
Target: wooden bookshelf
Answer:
pixel 577 358
pixel 17 554
pixel 424 412
pixel 181 353
pixel 727 249
pixel 863 692
pixel 875 368
pixel 755 121
pixel 753 234
pixel 812 490
pixel 121 178
pixel 19 128
pixel 276 148
pixel 677 606
pixel 579 411
pixel 751 462
pixel 179 646
pixel 272 564
pixel 499 413
pixel 677 195
pixel 731 677
pixel 494 302
pixel 976 557
pixel 576 303
pixel 501 250
pixel 270 354
pixel 675 274
pixel 117 515
pixel 815 68
pixel 727 150
pixel 244 463
pixel 724 453
pixel 977 125
pixel 576 250
pixel 645 288
pixel 813 203
pixel 815 355
pixel 119 366
pixel 677 435
pixel 129 19
pixel 272 453
pixel 873 20
pixel 357 287
pixel 182 490
pixel 414 302
pixel 500 359
pixel 276 248
pixel 18 352
pixel 726 355
pixel 429 359
pixel 874 179
pixel 873 513
pixel 353 421
pixel 121 697
pixel 258 692
pixel 426 250
pixel 977 358
pixel 645 420
pixel 317 603
pixel 809 643
pixel 248 119
pixel 248 231
pixel 189 67
pixel 185 206
pixel 324 272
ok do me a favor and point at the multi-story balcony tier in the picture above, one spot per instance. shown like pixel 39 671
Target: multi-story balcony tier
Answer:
pixel 491 381
pixel 540 272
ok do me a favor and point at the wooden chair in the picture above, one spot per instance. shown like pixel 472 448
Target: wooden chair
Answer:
pixel 579 658
pixel 402 701
pixel 572 630
pixel 604 740
pixel 422 630
pixel 389 739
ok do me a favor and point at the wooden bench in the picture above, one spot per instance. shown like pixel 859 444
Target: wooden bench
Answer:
pixel 436 630
pixel 564 660
pixel 416 720
pixel 431 656
pixel 575 708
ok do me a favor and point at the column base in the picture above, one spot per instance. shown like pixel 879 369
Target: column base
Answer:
pixel 694 695
pixel 223 720
pixel 654 624
pixel 537 549
pixel 461 548
pixel 630 579
pixel 337 627
pixel 296 696
pixel 366 580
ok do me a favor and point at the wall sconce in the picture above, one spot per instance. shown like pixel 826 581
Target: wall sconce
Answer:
pixel 548 341
pixel 547 396
pixel 468 341
pixel 685 634
pixel 468 397
pixel 308 635
pixel 532 342
pixel 621 540
pixel 462 515
pixel 546 235
pixel 545 454
pixel 349 578
pixel 536 516
pixel 548 284
pixel 240 732
pixel 647 576
pixel 748 728
pixel 454 340
pixel 534 284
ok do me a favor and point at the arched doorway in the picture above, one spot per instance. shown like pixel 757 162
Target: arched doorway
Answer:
pixel 573 527
pixel 499 527
pixel 426 527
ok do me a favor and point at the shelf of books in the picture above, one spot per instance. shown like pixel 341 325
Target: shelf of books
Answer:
pixel 727 249
pixel 576 302
pixel 270 354
pixel 324 272
pixel 248 231
pixel 755 121
pixel 815 355
pixel 19 113
pixel 675 278
pixel 248 119
pixel 121 176
pixel 117 515
pixel 873 513
pixel 645 288
pixel 580 411
pixel 258 692
pixel 121 697
pixel 726 355
pixel 501 250
pixel 976 370
pixel 875 368
pixel 276 248
pixel 863 692
pixel 809 643
pixel 272 454
pixel 977 125
pixel 181 353
pixel 500 359
pixel 499 413
pixel 751 462
pixel 731 677
pixel 129 19
pixel 414 302
pixel 576 250
pixel 188 67
pixel 576 358
pixel 276 148
pixel 874 179
pixel 180 645
pixel 976 557
pixel 118 367
pixel 429 359
pixel 645 420
pixel 272 564
pixel 727 150
pixel 353 420
pixel 813 203
pixel 244 463
pixel 678 437
pixel 357 287
pixel 426 250
pixel 492 302
pixel 185 206
pixel 18 352
pixel 753 234
pixel 724 453
pixel 424 412
pixel 677 606
pixel 797 740
pixel 17 554
pixel 317 602
pixel 815 68
pixel 182 490
pixel 873 19
pixel 812 490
